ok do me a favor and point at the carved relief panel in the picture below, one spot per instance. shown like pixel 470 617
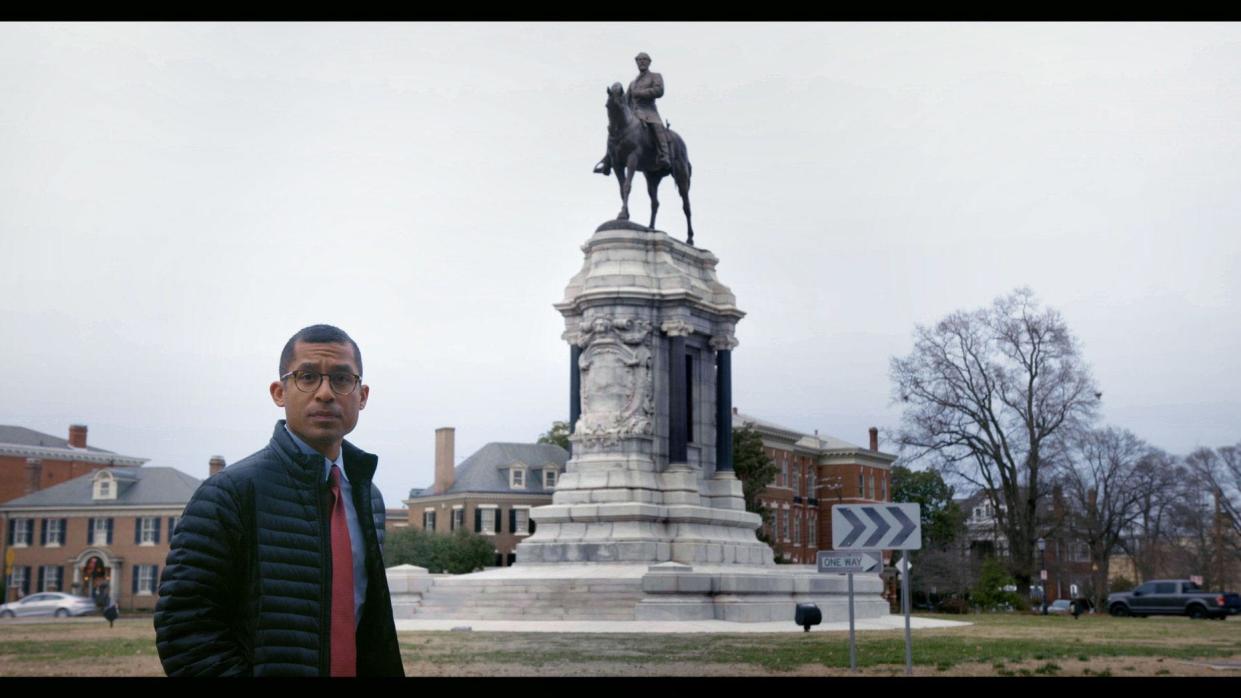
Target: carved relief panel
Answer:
pixel 617 381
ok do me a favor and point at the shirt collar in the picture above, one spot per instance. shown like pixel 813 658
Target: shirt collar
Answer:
pixel 327 463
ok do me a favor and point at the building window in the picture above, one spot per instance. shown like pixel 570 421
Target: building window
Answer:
pixel 810 484
pixel 20 580
pixel 883 488
pixel 872 486
pixel 784 524
pixel 517 478
pixel 144 580
pixel 105 486
pixel 797 528
pixel 55 535
pixel 101 532
pixel 52 577
pixel 812 536
pixel 796 483
pixel 861 485
pixel 148 530
pixel 488 521
pixel 21 532
pixel 458 517
pixel 521 522
pixel 549 478
pixel 428 520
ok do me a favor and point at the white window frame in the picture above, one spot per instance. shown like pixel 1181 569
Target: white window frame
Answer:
pixel 99 533
pixel 148 531
pixel 146 573
pixel 522 510
pixel 489 529
pixel 883 488
pixel 47 578
pixel 434 523
pixel 861 484
pixel 17 579
pixel 27 530
pixel 810 483
pixel 550 477
pixel 812 534
pixel 458 517
pixel 515 473
pixel 53 527
pixel 796 481
pixel 797 528
pixel 784 524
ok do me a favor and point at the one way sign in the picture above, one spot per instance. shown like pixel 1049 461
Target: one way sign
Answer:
pixel 877 527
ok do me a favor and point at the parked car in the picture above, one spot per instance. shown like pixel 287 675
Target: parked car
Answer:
pixel 49 603
pixel 1171 597
pixel 1060 606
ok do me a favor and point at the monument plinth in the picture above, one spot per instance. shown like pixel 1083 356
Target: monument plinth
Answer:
pixel 646 320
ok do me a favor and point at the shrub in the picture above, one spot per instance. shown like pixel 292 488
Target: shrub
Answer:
pixel 1120 584
pixel 989 595
pixel 459 552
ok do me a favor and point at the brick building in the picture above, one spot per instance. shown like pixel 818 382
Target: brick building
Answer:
pixel 490 493
pixel 31 460
pixel 815 473
pixel 103 534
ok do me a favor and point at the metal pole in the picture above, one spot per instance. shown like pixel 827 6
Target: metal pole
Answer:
pixel 909 655
pixel 852 637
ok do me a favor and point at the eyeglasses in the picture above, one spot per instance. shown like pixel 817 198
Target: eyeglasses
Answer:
pixel 341 382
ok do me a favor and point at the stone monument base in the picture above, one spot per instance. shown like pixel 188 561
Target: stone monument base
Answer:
pixel 664 592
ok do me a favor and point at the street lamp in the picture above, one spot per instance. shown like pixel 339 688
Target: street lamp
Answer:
pixel 1042 556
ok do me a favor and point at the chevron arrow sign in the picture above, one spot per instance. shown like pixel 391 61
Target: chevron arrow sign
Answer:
pixel 877 527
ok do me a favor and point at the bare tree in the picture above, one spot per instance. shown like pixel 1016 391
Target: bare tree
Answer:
pixel 1101 480
pixel 987 394
pixel 1158 481
pixel 1219 476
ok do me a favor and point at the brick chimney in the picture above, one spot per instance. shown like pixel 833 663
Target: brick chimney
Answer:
pixel 34 475
pixel 77 435
pixel 874 438
pixel 445 442
pixel 215 465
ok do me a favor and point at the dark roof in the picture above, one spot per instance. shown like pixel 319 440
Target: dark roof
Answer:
pixel 487 469
pixel 138 487
pixel 21 436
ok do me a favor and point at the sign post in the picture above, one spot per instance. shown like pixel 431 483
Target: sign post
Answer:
pixel 883 526
pixel 833 562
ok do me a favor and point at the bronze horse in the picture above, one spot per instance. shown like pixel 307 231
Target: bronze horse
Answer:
pixel 632 148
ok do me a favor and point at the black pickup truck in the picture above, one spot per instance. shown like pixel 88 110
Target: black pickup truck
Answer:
pixel 1173 597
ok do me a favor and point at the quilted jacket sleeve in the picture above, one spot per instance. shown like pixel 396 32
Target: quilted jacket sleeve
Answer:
pixel 198 614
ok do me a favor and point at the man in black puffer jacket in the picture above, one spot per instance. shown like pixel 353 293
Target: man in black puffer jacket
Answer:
pixel 276 567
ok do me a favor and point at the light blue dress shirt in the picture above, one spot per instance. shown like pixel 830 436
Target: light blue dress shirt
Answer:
pixel 351 517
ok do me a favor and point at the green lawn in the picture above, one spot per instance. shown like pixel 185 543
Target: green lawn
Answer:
pixel 995 645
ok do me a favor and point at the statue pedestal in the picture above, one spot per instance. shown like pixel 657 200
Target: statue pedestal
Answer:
pixel 648 521
pixel 643 307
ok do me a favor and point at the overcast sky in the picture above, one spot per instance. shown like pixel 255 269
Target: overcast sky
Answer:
pixel 177 199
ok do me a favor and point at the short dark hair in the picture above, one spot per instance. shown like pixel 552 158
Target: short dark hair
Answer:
pixel 318 334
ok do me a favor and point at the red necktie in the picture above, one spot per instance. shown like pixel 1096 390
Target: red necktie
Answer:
pixel 344 638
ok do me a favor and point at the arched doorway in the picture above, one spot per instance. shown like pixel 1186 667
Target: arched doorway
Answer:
pixel 92 577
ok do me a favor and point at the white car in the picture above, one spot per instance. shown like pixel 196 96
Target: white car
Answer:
pixel 49 603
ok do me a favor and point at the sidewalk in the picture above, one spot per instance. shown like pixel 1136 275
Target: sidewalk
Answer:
pixel 890 622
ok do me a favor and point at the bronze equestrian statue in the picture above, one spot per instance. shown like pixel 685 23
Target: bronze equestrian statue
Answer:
pixel 638 141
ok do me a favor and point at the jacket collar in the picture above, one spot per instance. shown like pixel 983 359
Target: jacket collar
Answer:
pixel 359 465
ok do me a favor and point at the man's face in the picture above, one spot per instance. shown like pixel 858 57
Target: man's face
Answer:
pixel 320 417
pixel 643 64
